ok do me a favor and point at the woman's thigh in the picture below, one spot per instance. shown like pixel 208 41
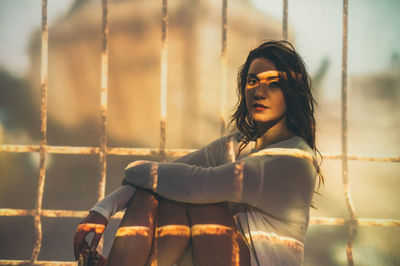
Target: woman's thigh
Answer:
pixel 216 239
pixel 133 240
pixel 172 233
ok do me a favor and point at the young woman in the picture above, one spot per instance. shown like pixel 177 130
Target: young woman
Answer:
pixel 246 196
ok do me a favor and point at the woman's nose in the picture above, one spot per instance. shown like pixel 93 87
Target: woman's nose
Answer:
pixel 260 92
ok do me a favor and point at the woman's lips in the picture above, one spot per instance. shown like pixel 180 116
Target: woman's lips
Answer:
pixel 259 107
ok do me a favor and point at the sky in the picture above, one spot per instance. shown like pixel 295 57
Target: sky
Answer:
pixel 317 27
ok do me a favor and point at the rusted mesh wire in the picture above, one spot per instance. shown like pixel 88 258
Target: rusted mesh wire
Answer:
pixel 352 222
pixel 224 65
pixel 163 87
pixel 43 133
pixel 285 20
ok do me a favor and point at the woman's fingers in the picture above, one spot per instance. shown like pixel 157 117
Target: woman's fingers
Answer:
pixel 95 223
pixel 79 238
pixel 95 241
pixel 80 244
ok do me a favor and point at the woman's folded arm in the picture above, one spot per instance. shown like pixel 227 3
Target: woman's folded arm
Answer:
pixel 260 181
pixel 207 156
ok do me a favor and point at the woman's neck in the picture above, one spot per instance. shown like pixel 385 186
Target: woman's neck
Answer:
pixel 270 134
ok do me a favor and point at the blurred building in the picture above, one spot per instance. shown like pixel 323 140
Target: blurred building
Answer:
pixel 194 69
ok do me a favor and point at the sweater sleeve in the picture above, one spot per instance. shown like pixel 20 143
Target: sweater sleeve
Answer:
pixel 114 202
pixel 208 156
pixel 271 183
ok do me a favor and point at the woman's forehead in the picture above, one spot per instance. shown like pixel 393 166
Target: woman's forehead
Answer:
pixel 260 65
pixel 267 75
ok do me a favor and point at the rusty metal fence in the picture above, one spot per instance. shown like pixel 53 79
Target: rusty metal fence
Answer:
pixel 103 150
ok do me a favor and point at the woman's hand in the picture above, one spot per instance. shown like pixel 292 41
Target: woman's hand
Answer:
pixel 95 223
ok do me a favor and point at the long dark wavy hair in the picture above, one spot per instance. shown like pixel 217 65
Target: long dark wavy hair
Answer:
pixel 295 84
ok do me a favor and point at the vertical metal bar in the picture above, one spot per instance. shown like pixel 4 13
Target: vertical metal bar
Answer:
pixel 43 131
pixel 103 106
pixel 346 187
pixel 163 87
pixel 103 101
pixel 224 66
pixel 285 20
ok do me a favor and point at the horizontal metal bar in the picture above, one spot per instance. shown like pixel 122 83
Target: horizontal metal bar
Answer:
pixel 93 150
pixel 26 262
pixel 50 213
pixel 313 220
pixel 156 152
pixel 360 221
pixel 362 158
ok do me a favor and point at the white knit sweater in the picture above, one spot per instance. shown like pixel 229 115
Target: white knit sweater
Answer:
pixel 271 191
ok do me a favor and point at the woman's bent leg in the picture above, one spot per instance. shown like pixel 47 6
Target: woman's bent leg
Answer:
pixel 216 239
pixel 133 240
pixel 172 233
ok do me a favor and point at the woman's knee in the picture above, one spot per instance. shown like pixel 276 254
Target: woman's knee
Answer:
pixel 215 236
pixel 133 239
pixel 172 232
pixel 141 209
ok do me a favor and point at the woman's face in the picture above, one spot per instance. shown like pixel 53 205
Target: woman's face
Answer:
pixel 264 98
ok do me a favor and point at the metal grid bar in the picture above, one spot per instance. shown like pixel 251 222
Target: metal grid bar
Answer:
pixel 43 133
pixel 103 102
pixel 346 185
pixel 285 20
pixel 156 152
pixel 103 150
pixel 103 107
pixel 224 66
pixel 164 72
pixel 28 262
pixel 313 220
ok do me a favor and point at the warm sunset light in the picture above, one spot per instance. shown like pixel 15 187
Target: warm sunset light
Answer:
pixel 210 229
pixel 287 152
pixel 173 230
pixel 97 228
pixel 276 239
pixel 132 231
pixel 290 160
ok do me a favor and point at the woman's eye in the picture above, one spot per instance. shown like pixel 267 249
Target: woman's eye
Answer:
pixel 252 82
pixel 274 84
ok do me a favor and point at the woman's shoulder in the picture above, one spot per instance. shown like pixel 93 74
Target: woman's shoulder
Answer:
pixel 294 142
pixel 294 147
pixel 236 137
